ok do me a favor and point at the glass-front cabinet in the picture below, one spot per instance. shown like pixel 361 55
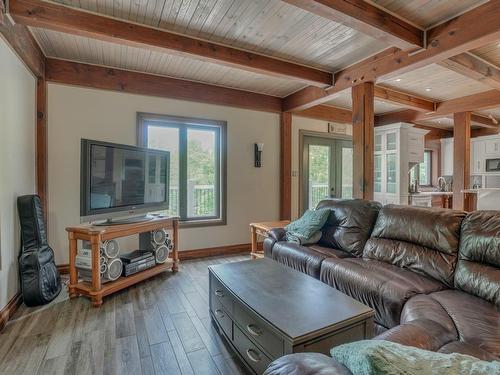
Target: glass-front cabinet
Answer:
pixel 392 159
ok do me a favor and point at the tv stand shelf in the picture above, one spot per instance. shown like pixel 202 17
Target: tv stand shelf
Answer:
pixel 96 234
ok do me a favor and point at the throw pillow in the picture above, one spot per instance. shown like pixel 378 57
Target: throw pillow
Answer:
pixel 384 357
pixel 311 222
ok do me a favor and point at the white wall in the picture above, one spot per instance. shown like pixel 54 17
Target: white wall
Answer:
pixel 311 125
pixel 75 113
pixel 17 160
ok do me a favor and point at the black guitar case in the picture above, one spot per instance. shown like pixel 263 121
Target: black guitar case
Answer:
pixel 40 279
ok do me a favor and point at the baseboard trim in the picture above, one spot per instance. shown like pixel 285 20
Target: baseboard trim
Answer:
pixel 8 311
pixel 63 268
pixel 244 248
pixel 215 251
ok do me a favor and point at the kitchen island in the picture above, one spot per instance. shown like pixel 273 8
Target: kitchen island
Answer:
pixel 431 198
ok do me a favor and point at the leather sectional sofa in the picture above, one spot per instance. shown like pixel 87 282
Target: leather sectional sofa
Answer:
pixel 431 275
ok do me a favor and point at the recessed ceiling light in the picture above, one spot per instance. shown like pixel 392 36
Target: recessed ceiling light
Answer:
pixel 398 79
pixel 428 89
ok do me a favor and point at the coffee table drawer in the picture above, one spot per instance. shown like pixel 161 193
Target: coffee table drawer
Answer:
pixel 220 292
pixel 222 317
pixel 258 331
pixel 252 355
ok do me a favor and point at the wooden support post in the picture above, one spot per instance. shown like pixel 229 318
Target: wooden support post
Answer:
pixel 363 120
pixel 461 158
pixel 286 166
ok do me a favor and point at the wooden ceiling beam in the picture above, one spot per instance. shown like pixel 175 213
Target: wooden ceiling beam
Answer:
pixel 78 22
pixel 475 102
pixel 468 31
pixel 485 121
pixel 471 66
pixel 403 99
pixel 328 113
pixel 71 73
pixel 368 19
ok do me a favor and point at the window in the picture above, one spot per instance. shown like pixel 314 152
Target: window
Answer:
pixel 424 170
pixel 197 165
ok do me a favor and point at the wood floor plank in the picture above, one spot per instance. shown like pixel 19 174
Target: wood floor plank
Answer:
pixel 164 360
pixel 147 366
pixel 124 317
pixel 202 363
pixel 127 359
pixel 154 326
pixel 159 326
pixel 53 366
pixel 191 340
pixel 180 354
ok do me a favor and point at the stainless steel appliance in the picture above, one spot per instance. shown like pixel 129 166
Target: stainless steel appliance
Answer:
pixel 493 165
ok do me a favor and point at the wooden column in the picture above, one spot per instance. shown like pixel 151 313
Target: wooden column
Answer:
pixel 41 142
pixel 363 121
pixel 286 166
pixel 461 158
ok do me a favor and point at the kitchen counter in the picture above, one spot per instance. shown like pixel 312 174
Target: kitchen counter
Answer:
pixel 422 193
pixel 475 191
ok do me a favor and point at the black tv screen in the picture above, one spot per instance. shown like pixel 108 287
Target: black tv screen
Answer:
pixel 118 178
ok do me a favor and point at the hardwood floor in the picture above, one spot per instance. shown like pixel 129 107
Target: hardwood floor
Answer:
pixel 161 326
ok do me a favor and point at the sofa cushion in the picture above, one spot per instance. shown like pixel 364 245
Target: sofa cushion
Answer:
pixel 420 239
pixel 382 286
pixel 468 349
pixel 472 320
pixel 478 269
pixel 349 224
pixel 303 258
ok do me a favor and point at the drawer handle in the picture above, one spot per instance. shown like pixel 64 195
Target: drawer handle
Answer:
pixel 254 330
pixel 220 313
pixel 253 355
pixel 219 293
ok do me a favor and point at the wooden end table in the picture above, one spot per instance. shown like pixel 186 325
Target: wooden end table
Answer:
pixel 261 229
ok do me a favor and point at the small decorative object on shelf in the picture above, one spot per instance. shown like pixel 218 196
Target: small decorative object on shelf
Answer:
pixel 99 265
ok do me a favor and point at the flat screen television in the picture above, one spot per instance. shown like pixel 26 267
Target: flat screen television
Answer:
pixel 120 180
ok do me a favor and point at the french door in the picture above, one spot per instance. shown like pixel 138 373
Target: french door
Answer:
pixel 326 170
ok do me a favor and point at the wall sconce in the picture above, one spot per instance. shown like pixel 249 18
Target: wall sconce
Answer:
pixel 258 147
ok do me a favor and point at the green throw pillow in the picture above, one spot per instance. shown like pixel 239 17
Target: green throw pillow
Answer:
pixel 310 223
pixel 371 357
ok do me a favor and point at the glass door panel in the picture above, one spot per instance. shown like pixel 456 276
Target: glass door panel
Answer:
pixel 391 182
pixel 391 144
pixel 326 170
pixel 319 174
pixel 378 174
pixel 345 169
pixel 378 142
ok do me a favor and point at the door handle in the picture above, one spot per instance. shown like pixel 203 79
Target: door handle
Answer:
pixel 219 313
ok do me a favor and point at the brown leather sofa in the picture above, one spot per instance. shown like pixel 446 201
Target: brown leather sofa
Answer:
pixel 431 275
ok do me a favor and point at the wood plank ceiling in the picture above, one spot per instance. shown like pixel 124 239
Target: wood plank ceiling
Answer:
pixel 273 28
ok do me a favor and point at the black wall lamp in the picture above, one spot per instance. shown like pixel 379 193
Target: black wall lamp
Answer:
pixel 258 147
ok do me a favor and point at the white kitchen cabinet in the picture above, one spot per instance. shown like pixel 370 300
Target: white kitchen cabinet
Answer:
pixel 447 157
pixel 492 147
pixel 396 146
pixel 477 156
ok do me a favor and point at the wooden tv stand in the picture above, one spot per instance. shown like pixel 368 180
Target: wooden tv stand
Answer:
pixel 96 234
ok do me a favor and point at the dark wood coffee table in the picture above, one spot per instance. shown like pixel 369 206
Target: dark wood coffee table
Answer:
pixel 266 310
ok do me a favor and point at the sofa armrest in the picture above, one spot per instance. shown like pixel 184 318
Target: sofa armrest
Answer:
pixel 306 363
pixel 421 333
pixel 277 234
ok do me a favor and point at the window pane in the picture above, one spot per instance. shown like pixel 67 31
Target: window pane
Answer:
pixel 391 182
pixel 378 173
pixel 319 174
pixel 167 138
pixel 201 173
